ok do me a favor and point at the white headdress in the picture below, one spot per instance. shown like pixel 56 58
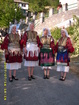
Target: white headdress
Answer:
pixel 65 32
pixel 10 29
pixel 49 33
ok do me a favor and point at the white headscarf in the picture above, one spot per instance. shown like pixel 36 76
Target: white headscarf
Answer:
pixel 49 33
pixel 65 32
pixel 10 29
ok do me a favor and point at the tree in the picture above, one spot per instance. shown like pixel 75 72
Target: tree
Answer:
pixel 7 12
pixel 76 33
pixel 39 5
pixel 7 9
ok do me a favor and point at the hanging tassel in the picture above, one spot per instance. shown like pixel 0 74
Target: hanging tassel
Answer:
pixel 43 55
pixel 48 55
pixel 29 53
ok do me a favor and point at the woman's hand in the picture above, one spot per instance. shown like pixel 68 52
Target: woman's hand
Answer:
pixel 39 50
pixel 6 52
pixel 25 51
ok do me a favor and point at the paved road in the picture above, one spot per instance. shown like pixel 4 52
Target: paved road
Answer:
pixel 40 91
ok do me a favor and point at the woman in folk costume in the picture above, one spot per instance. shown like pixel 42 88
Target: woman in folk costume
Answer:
pixel 31 42
pixel 47 51
pixel 13 55
pixel 63 48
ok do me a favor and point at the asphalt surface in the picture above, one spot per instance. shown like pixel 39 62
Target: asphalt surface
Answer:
pixel 39 91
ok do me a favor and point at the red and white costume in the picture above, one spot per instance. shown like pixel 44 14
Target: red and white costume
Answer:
pixel 11 45
pixel 31 41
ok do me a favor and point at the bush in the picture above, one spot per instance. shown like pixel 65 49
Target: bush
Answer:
pixel 70 30
pixel 56 34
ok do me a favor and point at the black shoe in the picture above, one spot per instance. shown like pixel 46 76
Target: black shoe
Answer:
pixel 14 77
pixel 47 76
pixel 29 78
pixel 32 77
pixel 61 78
pixel 10 79
pixel 44 77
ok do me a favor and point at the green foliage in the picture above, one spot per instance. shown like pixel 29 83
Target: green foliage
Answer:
pixel 7 12
pixel 76 34
pixel 56 34
pixel 53 3
pixel 39 5
pixel 7 9
pixel 70 30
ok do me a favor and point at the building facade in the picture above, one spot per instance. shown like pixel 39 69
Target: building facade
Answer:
pixel 69 4
pixel 23 5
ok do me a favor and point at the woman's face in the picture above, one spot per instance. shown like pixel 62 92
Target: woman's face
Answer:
pixel 13 30
pixel 45 32
pixel 63 33
pixel 32 27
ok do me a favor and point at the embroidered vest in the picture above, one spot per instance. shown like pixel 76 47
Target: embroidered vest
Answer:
pixel 14 41
pixel 62 44
pixel 32 36
pixel 46 41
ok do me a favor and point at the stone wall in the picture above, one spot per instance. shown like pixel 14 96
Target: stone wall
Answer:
pixel 55 19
